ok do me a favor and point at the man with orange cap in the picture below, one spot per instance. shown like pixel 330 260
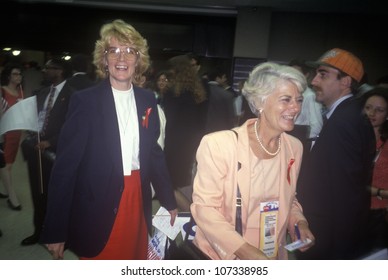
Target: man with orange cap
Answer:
pixel 332 184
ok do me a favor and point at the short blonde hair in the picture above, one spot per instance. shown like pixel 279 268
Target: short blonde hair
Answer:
pixel 126 34
pixel 264 79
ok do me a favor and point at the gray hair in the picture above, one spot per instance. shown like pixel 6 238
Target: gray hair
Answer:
pixel 264 79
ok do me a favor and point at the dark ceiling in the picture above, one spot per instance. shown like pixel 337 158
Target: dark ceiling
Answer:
pixel 58 27
pixel 228 6
pixel 73 25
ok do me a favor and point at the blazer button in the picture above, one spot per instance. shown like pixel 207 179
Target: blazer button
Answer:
pixel 115 210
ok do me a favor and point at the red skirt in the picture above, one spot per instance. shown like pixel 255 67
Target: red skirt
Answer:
pixel 129 237
pixel 11 145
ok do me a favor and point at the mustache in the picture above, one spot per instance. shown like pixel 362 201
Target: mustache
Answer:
pixel 315 88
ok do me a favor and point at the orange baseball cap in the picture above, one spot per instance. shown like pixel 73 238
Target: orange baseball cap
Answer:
pixel 343 61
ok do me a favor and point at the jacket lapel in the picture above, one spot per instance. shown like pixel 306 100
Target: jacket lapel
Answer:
pixel 110 128
pixel 41 97
pixel 244 172
pixel 140 110
pixel 285 192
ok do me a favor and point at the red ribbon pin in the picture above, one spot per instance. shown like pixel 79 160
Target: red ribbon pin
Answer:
pixel 289 169
pixel 145 117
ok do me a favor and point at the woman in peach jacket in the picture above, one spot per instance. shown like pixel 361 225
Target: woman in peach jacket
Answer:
pixel 263 162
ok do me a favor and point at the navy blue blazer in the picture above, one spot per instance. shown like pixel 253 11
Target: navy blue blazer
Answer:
pixel 333 183
pixel 87 178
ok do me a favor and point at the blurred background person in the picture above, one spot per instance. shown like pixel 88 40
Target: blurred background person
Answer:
pixel 32 78
pixel 258 164
pixel 39 149
pixel 220 111
pixel 242 109
pixel 185 107
pixel 376 109
pixel 147 84
pixel 311 112
pixel 12 92
pixel 161 85
pixel 196 63
pixel 2 160
pixel 83 70
pixel 223 79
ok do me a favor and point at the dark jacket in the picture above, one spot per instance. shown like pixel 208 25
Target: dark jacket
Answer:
pixel 57 113
pixel 333 184
pixel 80 81
pixel 87 178
pixel 220 115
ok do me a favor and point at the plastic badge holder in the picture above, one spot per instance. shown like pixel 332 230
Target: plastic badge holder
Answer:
pixel 297 244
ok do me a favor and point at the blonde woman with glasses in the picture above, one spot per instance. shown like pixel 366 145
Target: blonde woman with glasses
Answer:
pixel 99 203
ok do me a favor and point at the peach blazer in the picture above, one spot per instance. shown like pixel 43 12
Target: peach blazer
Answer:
pixel 215 185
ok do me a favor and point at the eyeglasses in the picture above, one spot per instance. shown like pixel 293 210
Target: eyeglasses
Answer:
pixel 129 53
pixel 16 74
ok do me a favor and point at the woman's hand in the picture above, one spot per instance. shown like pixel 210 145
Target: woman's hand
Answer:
pixel 305 233
pixel 173 214
pixel 56 250
pixel 249 252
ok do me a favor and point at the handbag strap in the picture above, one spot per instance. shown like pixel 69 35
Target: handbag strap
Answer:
pixel 238 226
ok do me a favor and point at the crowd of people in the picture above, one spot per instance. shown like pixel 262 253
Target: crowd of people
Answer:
pixel 113 135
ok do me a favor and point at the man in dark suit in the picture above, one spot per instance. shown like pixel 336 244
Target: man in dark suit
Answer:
pixel 39 150
pixel 82 72
pixel 333 183
pixel 220 115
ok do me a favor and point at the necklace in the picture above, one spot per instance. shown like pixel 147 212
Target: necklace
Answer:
pixel 262 146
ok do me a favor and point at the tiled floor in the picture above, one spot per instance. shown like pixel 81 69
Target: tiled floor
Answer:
pixel 16 225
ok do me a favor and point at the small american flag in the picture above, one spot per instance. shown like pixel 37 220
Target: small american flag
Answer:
pixel 156 246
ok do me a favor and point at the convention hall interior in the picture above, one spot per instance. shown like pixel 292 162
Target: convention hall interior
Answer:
pixel 237 34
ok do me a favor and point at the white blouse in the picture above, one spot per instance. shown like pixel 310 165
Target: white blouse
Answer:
pixel 129 129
